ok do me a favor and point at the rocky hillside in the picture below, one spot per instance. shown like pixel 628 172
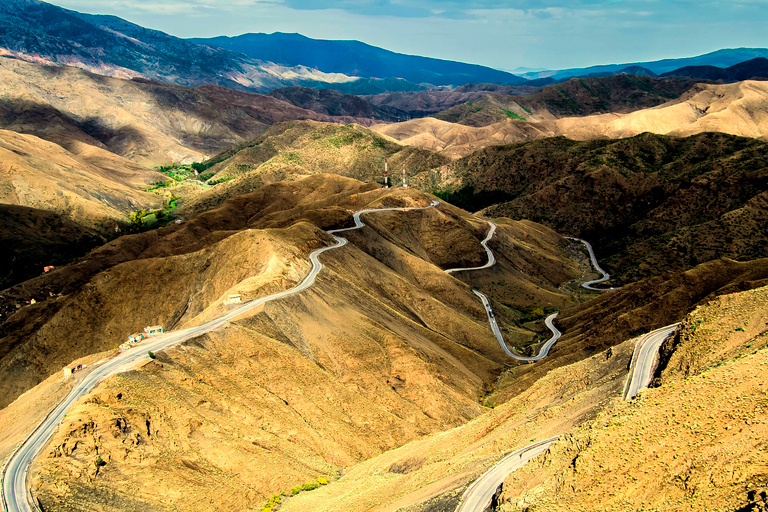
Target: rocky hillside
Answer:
pixel 133 261
pixel 94 188
pixel 738 109
pixel 148 122
pixel 576 97
pixel 431 101
pixel 334 103
pixel 384 349
pixel 291 150
pixel 579 399
pixel 714 407
pixel 647 204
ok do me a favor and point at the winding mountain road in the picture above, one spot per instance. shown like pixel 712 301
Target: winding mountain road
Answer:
pixel 644 358
pixel 15 493
pixel 549 321
pixel 605 275
pixel 479 495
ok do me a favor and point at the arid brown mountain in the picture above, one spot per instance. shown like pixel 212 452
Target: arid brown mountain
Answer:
pixel 712 408
pixel 576 97
pixel 93 188
pixel 40 32
pixel 576 399
pixel 738 109
pixel 291 150
pixel 148 122
pixel 334 103
pixel 490 109
pixel 385 348
pixel 422 103
pixel 455 140
pixel 648 203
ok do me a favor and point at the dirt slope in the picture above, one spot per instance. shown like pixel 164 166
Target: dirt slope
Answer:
pixel 43 175
pixel 151 123
pixel 457 140
pixel 695 443
pixel 575 399
pixel 385 349
pixel 737 109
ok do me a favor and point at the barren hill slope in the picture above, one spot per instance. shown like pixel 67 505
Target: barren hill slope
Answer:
pixel 576 97
pixel 648 203
pixel 456 140
pixel 715 410
pixel 291 150
pixel 97 191
pixel 385 348
pixel 431 474
pixel 737 109
pixel 148 122
pixel 134 264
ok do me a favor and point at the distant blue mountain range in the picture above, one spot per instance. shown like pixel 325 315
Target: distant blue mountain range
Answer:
pixel 358 59
pixel 721 58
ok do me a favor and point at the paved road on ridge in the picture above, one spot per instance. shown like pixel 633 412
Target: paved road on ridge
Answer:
pixel 644 358
pixel 14 491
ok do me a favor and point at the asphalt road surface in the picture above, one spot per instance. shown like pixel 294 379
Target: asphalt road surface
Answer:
pixel 484 243
pixel 14 491
pixel 549 321
pixel 491 317
pixel 480 493
pixel 644 358
pixel 605 275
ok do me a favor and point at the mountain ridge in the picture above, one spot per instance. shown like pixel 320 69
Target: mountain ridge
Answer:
pixel 355 58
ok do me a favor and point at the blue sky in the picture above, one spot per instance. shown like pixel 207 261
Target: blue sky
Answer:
pixel 504 34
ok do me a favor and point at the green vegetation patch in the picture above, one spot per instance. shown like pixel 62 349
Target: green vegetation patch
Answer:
pixel 466 198
pixel 512 115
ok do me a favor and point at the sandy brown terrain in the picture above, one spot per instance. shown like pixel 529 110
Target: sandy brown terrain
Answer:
pixel 150 123
pixel 582 400
pixel 458 140
pixel 43 175
pixel 737 109
pixel 696 442
pixel 385 349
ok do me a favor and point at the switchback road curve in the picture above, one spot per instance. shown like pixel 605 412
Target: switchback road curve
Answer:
pixel 605 275
pixel 14 491
pixel 491 317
